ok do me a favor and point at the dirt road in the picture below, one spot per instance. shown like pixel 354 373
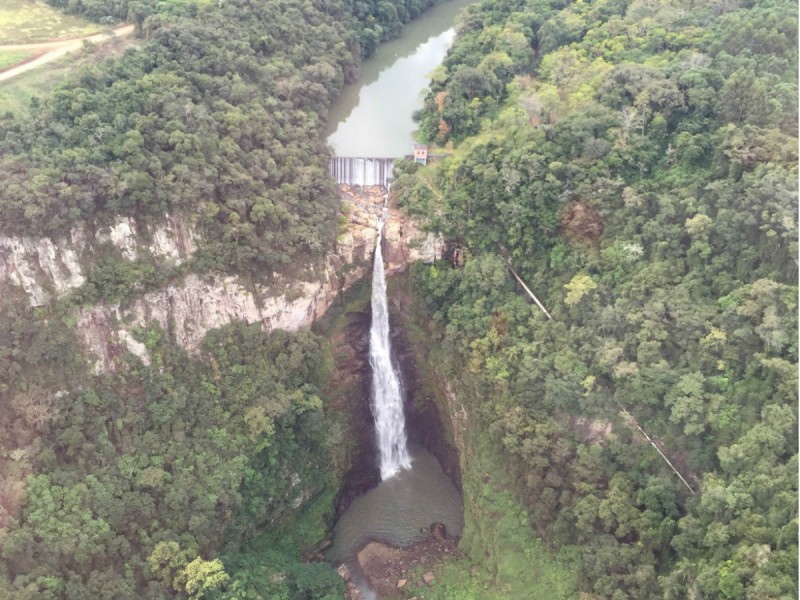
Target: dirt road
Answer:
pixel 51 51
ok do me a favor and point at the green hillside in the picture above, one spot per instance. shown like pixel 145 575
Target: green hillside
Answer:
pixel 636 163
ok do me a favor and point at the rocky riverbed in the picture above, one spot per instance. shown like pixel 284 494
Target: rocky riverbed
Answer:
pixel 393 572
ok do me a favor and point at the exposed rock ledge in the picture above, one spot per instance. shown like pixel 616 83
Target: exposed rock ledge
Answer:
pixel 45 267
pixel 391 572
pixel 191 308
pixel 188 309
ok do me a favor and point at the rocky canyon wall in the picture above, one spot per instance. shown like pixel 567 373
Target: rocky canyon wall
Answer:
pixel 187 308
pixel 45 268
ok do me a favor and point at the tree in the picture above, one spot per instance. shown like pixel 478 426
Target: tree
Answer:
pixel 204 578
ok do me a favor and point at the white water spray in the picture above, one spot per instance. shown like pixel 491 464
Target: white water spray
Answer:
pixel 387 397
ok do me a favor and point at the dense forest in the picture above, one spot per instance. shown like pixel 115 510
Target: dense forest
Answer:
pixel 635 162
pixel 217 115
pixel 138 475
pixel 202 476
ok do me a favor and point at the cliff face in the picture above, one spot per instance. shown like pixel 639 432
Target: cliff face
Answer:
pixel 404 243
pixel 194 306
pixel 45 269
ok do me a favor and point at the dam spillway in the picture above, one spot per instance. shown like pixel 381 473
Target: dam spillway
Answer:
pixel 362 171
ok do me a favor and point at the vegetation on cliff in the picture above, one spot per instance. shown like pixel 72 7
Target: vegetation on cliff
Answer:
pixel 635 161
pixel 637 165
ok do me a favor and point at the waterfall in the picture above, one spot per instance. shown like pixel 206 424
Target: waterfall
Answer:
pixel 387 397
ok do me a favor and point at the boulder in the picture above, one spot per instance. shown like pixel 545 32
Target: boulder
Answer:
pixel 428 578
pixel 401 583
pixel 353 592
pixel 439 531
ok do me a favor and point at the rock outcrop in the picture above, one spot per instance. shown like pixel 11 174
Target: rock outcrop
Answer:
pixel 404 242
pixel 46 268
pixel 188 308
pixel 438 531
pixel 384 567
pixel 42 267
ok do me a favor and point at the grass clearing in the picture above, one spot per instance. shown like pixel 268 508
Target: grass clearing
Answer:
pixel 16 93
pixel 9 58
pixel 500 556
pixel 29 21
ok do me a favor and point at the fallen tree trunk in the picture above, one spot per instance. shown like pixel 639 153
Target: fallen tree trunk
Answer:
pixel 527 289
pixel 630 418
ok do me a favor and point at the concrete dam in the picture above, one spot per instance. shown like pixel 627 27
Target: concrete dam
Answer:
pixel 362 170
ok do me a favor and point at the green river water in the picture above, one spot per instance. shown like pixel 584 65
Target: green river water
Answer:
pixel 373 116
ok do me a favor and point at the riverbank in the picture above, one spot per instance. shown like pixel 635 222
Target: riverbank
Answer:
pixel 399 572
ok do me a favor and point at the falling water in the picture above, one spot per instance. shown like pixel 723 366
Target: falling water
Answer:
pixel 387 398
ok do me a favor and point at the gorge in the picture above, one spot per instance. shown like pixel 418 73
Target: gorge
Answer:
pixel 186 305
pixel 149 317
pixel 413 491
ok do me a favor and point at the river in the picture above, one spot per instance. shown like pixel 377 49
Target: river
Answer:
pixel 373 116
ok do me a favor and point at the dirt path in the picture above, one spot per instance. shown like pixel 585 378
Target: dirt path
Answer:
pixel 54 50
